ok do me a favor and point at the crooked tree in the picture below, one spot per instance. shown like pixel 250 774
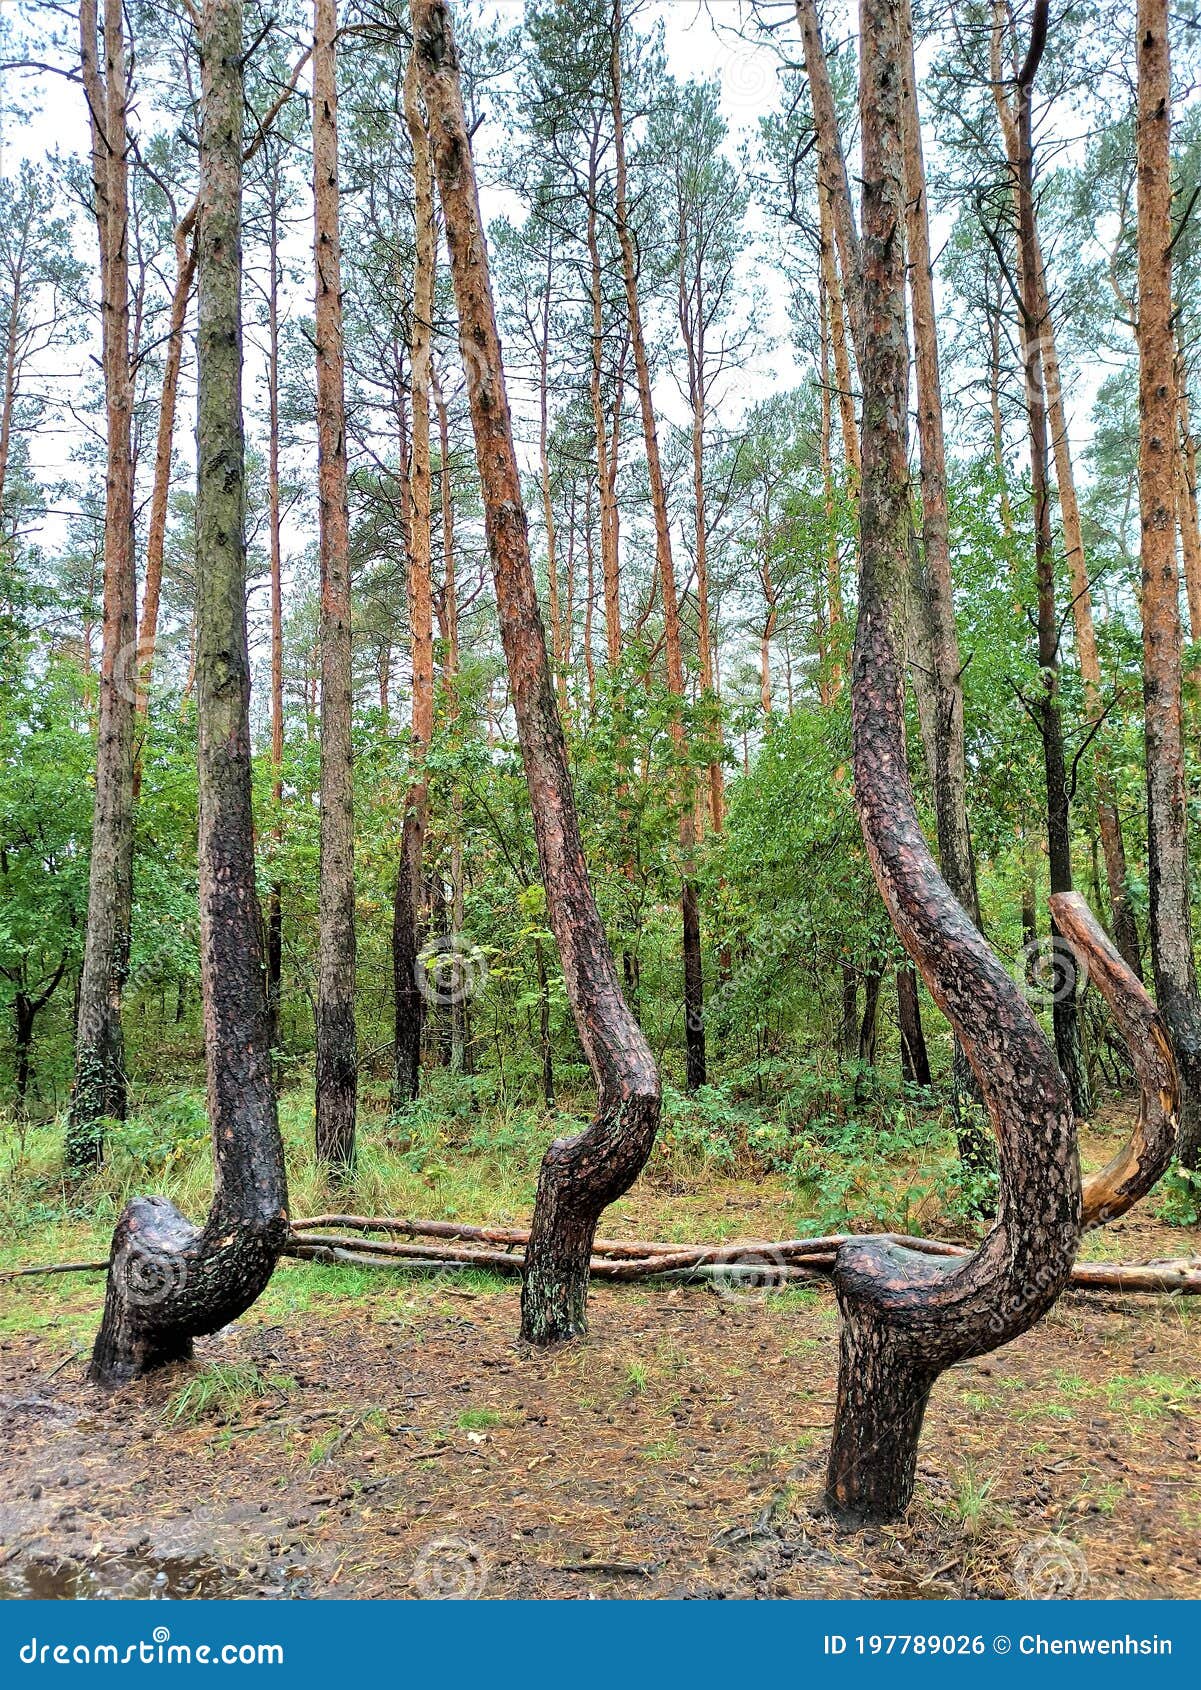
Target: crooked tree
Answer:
pixel 582 1174
pixel 169 1280
pixel 905 1319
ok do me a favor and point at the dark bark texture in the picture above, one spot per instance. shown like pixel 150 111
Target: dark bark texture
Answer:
pixel 170 1281
pixel 337 1057
pixel 582 1174
pixel 906 1317
pixel 100 1088
pixel 1167 816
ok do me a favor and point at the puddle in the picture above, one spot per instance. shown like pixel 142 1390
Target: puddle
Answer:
pixel 137 1576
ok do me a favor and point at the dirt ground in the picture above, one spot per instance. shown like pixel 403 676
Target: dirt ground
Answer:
pixel 407 1445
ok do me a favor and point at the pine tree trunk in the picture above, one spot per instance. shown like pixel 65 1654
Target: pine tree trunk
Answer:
pixel 1048 708
pixel 915 1063
pixel 1167 835
pixel 1108 821
pixel 337 1058
pixel 694 1010
pixel 906 1318
pixel 156 530
pixel 275 913
pixel 100 1085
pixel 407 912
pixel 579 1175
pixel 168 1280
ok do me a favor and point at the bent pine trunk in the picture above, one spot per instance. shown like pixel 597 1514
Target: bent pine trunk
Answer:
pixel 169 1280
pixel 905 1317
pixel 579 1175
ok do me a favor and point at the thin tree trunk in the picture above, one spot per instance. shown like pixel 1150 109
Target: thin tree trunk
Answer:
pixel 407 907
pixel 831 161
pixel 915 1063
pixel 100 1085
pixel 275 916
pixel 337 1058
pixel 449 600
pixel 1048 709
pixel 170 1281
pixel 548 504
pixel 579 1175
pixel 606 450
pixel 1167 828
pixel 903 1320
pixel 694 1012
pixel 838 341
pixel 156 531
pixel 1108 821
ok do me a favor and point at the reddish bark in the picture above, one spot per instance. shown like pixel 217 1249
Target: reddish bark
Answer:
pixel 580 1175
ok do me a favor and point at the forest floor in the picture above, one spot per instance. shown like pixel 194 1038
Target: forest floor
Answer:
pixel 366 1434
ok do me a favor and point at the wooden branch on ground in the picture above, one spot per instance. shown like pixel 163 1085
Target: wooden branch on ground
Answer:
pixel 757 1262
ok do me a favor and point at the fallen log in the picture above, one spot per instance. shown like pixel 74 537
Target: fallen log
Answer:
pixel 751 1261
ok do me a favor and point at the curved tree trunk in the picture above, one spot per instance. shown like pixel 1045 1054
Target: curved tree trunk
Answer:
pixel 169 1280
pixel 907 1318
pixel 337 1059
pixel 579 1175
pixel 100 1090
pixel 1167 824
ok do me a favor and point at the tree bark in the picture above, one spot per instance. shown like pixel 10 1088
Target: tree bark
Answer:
pixel 579 1175
pixel 275 913
pixel 168 1280
pixel 337 1058
pixel 1047 707
pixel 906 1318
pixel 1108 820
pixel 407 907
pixel 915 1063
pixel 831 162
pixel 156 530
pixel 100 1083
pixel 694 1009
pixel 1167 831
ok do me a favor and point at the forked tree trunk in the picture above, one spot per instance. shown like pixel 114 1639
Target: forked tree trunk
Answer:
pixel 407 982
pixel 579 1175
pixel 694 988
pixel 100 1090
pixel 1167 831
pixel 168 1280
pixel 905 1319
pixel 337 1059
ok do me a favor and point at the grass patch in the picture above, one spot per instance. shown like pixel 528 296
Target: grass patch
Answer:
pixel 222 1391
